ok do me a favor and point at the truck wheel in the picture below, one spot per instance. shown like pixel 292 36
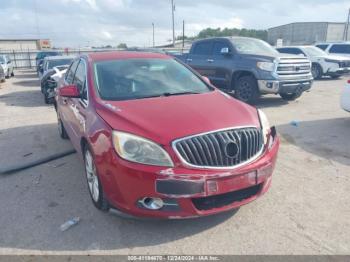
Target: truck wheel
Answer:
pixel 335 76
pixel 316 71
pixel 246 89
pixel 12 74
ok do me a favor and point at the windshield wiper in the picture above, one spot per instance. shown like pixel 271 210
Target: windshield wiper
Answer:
pixel 180 93
pixel 166 94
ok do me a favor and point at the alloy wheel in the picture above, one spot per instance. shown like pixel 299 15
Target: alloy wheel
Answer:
pixel 91 176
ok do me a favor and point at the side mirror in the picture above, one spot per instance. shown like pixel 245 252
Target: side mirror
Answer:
pixel 9 62
pixel 206 79
pixel 225 51
pixel 69 91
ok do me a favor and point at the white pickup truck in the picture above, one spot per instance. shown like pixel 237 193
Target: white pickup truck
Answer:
pixel 323 64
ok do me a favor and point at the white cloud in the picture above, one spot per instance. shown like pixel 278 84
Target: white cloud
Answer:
pixel 234 22
pixel 102 22
pixel 107 35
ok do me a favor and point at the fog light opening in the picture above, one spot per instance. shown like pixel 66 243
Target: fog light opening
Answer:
pixel 152 203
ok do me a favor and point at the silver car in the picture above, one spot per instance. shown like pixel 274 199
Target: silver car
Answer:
pixel 7 66
pixel 2 74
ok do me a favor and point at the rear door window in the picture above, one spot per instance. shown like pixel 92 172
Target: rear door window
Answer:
pixel 203 48
pixel 218 46
pixel 340 49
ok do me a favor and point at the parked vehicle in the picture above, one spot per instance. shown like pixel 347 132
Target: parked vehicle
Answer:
pixel 50 80
pixel 345 97
pixel 7 66
pixel 323 64
pixel 335 48
pixel 54 61
pixel 158 140
pixel 41 55
pixel 2 75
pixel 249 67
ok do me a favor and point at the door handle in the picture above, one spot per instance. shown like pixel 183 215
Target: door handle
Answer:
pixel 210 60
pixel 189 60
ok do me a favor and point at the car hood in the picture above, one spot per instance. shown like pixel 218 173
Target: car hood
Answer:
pixel 335 57
pixel 165 119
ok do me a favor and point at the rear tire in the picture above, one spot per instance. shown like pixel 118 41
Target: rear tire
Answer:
pixel 316 71
pixel 61 129
pixel 93 181
pixel 13 73
pixel 246 89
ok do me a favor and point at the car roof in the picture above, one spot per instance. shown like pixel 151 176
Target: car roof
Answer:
pixel 296 46
pixel 334 43
pixel 122 55
pixel 59 57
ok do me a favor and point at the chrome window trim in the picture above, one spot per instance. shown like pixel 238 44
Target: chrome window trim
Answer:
pixel 173 145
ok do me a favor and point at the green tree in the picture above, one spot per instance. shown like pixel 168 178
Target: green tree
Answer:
pixel 218 32
pixel 122 46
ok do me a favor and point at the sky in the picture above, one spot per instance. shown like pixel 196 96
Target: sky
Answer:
pixel 80 23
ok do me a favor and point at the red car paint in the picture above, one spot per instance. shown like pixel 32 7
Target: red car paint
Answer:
pixel 161 120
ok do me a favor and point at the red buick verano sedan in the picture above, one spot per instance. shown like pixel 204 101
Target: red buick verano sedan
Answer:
pixel 158 140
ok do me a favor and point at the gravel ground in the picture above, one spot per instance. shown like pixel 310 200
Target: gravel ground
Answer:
pixel 306 211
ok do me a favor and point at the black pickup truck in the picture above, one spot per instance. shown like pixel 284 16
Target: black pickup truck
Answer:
pixel 248 68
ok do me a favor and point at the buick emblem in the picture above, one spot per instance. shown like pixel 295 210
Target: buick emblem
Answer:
pixel 231 149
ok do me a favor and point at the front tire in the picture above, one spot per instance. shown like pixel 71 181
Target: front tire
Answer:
pixel 246 89
pixel 335 77
pixel 316 71
pixel 93 181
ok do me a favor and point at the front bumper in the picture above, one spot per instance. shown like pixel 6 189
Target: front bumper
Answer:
pixel 281 87
pixel 339 71
pixel 186 193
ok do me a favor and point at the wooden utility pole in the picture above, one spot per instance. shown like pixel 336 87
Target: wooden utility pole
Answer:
pixel 153 35
pixel 173 19
pixel 346 30
pixel 183 34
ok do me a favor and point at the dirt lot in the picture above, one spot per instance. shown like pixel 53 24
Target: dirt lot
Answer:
pixel 306 211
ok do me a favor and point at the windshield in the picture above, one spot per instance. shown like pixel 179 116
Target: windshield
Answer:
pixel 144 78
pixel 253 46
pixel 314 51
pixel 53 63
pixel 2 60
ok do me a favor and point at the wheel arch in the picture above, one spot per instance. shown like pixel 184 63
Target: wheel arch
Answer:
pixel 238 74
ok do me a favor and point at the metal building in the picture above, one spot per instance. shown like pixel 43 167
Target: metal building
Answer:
pixel 24 44
pixel 306 33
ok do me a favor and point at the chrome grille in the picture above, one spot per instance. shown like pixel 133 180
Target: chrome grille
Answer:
pixel 293 66
pixel 211 149
pixel 344 64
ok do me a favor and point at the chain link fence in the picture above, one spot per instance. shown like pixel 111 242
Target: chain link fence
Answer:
pixel 27 58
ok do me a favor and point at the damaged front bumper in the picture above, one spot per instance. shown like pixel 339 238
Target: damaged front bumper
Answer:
pixel 184 192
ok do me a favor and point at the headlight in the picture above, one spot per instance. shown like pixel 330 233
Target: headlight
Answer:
pixel 140 150
pixel 267 66
pixel 265 125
